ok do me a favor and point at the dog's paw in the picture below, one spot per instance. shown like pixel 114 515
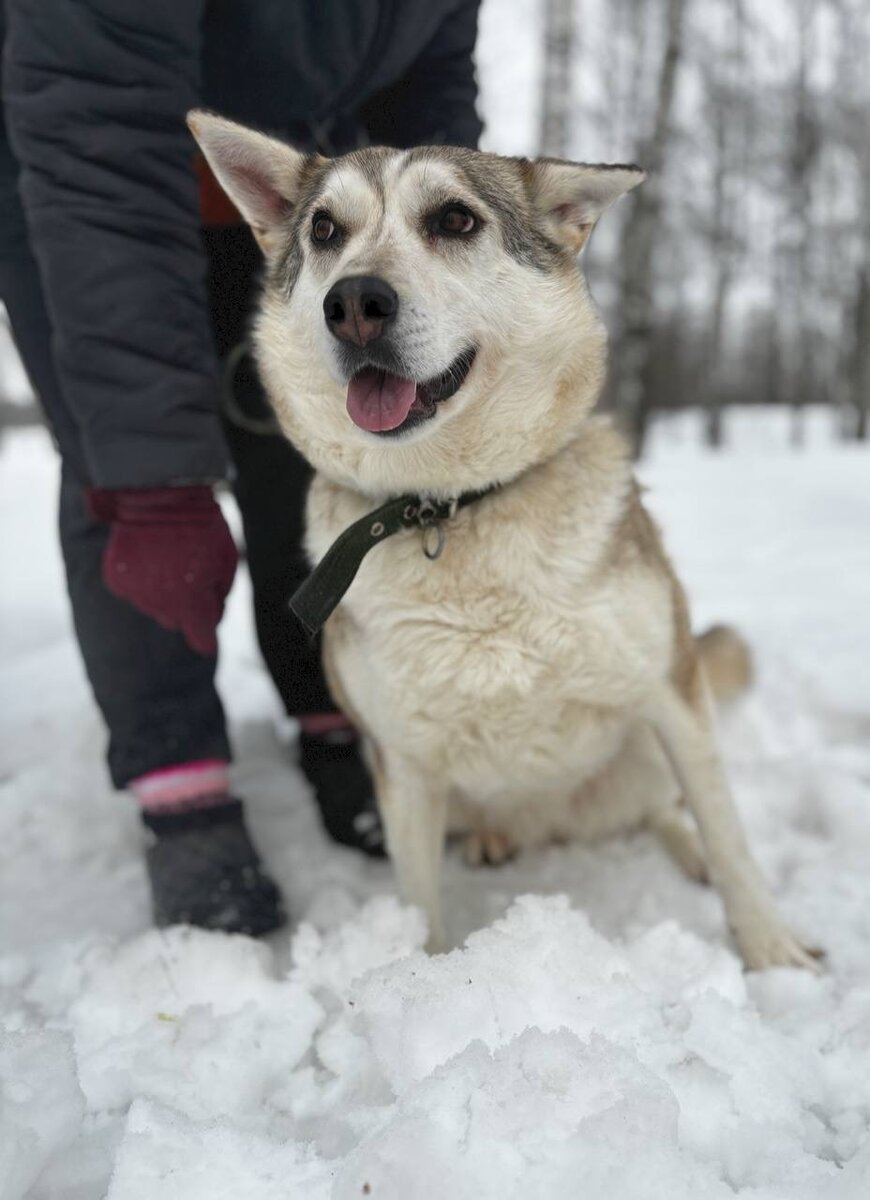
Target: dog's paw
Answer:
pixel 770 944
pixel 487 848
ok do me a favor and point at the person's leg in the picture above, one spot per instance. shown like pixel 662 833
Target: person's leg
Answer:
pixel 157 696
pixel 167 735
pixel 167 744
pixel 271 485
pixel 271 481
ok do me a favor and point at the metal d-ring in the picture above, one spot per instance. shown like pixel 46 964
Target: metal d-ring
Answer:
pixel 432 549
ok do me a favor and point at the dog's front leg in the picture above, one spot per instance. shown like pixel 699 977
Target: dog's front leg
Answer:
pixel 687 738
pixel 414 811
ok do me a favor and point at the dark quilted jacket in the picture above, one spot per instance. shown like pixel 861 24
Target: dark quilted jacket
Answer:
pixel 95 93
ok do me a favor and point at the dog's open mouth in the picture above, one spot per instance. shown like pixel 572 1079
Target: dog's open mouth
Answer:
pixel 380 402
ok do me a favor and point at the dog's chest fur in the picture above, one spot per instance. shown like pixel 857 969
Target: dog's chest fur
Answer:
pixel 516 659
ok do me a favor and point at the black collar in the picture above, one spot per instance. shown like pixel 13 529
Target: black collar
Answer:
pixel 319 595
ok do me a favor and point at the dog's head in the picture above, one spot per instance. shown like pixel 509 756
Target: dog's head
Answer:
pixel 424 326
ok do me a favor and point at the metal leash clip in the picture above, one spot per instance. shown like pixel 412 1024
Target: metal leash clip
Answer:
pixel 431 521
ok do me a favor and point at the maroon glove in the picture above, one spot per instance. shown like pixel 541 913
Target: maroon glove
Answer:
pixel 170 554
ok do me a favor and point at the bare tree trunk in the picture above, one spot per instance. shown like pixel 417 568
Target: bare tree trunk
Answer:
pixel 558 53
pixel 633 351
pixel 730 117
pixel 798 336
pixel 860 367
pixel 720 239
pixel 853 131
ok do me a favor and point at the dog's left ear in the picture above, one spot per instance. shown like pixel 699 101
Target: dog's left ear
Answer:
pixel 259 174
pixel 572 196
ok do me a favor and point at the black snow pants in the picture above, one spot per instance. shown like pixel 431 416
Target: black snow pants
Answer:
pixel 157 696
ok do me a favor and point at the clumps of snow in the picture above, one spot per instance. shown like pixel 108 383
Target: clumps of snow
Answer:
pixel 204 1027
pixel 545 1114
pixel 540 1059
pixel 166 1156
pixel 41 1106
pixel 568 1059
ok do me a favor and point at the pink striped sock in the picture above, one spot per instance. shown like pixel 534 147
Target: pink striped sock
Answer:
pixel 201 784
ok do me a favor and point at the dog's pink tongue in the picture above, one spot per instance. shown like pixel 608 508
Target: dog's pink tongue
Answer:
pixel 377 401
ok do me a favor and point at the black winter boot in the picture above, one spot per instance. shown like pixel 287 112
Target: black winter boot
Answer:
pixel 205 871
pixel 333 765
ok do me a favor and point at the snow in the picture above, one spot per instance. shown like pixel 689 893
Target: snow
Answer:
pixel 592 1034
pixel 41 1104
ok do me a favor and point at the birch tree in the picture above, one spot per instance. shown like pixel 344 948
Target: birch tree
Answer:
pixel 730 115
pixel 556 109
pixel 851 106
pixel 802 152
pixel 632 355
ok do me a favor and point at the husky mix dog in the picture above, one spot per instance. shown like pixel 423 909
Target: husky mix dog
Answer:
pixel 425 331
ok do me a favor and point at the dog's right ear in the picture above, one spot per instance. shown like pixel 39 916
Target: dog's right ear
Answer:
pixel 259 174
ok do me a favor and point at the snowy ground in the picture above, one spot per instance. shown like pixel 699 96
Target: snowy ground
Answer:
pixel 595 1037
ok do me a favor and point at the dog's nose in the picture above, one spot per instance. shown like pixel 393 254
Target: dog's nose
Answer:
pixel 358 307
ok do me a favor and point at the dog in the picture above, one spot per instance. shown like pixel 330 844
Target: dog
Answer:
pixel 522 667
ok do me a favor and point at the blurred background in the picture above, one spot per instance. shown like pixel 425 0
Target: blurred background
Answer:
pixel 739 274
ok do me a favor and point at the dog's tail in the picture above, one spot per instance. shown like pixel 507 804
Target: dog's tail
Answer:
pixel 727 662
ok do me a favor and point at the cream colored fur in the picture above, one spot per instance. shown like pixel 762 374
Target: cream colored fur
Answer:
pixel 539 679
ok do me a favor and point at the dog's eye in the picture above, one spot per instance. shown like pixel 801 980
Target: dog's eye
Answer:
pixel 322 227
pixel 456 220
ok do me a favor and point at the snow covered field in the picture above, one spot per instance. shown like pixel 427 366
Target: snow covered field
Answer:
pixel 595 1037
